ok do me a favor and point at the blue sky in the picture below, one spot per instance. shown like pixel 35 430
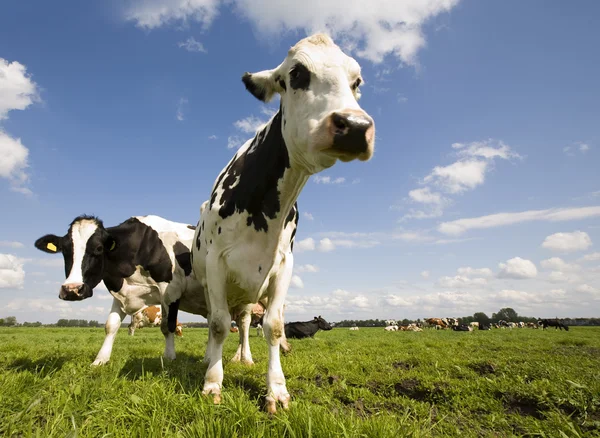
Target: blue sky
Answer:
pixel 483 192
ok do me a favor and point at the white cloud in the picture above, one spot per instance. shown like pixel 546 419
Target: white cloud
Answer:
pixel 515 296
pixel 12 274
pixel 587 289
pixel 593 257
pixel 191 45
pixel 340 293
pixel 583 147
pixel 558 264
pixel 14 162
pixel 473 272
pixel 388 27
pixel 460 281
pixel 326 245
pixel 306 268
pixel 425 274
pixel 212 137
pixel 360 301
pixel 59 308
pixel 234 142
pixel 328 180
pixel 577 146
pixel 562 277
pixel 10 244
pixel 412 236
pixel 425 196
pixel 17 90
pixel 486 150
pixel 568 242
pixel 250 125
pixel 180 105
pixel 518 269
pixel 308 216
pixel 459 176
pixel 461 226
pixel 305 245
pixel 297 282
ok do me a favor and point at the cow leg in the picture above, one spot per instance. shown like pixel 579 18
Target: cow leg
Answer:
pixel 243 352
pixel 274 333
pixel 136 319
pixel 220 319
pixel 206 359
pixel 168 324
pixel 113 322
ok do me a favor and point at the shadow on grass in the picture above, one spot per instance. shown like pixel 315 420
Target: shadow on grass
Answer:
pixel 43 366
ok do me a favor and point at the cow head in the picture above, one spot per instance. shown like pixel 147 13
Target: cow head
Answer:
pixel 323 325
pixel 321 118
pixel 83 249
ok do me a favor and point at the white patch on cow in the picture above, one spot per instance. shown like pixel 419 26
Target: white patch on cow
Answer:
pixel 80 234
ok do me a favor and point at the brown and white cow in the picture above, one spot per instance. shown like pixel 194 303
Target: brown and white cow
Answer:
pixel 150 316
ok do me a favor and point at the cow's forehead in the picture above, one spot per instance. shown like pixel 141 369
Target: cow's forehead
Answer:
pixel 82 230
pixel 320 51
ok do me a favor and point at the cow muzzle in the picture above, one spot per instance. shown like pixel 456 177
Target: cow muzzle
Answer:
pixel 75 292
pixel 352 133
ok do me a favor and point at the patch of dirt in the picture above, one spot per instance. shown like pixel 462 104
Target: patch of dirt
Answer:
pixel 319 380
pixel 483 368
pixel 411 388
pixel 516 404
pixel 403 365
pixel 333 379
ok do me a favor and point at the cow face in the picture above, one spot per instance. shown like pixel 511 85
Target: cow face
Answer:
pixel 323 325
pixel 321 118
pixel 83 249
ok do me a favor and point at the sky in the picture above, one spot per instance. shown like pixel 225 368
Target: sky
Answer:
pixel 483 192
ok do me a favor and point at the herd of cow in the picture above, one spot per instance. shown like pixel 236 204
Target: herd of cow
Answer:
pixel 454 324
pixel 239 253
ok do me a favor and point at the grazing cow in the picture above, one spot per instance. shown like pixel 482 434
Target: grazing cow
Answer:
pixel 148 317
pixel 521 324
pixel 243 244
pixel 299 330
pixel 474 324
pixel 143 262
pixel 354 328
pixel 450 322
pixel 462 328
pixel 391 328
pixel 552 323
pixel 532 325
pixel 483 326
pixel 389 322
pixel 438 323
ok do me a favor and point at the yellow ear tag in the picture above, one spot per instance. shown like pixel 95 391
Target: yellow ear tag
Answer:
pixel 51 247
pixel 113 245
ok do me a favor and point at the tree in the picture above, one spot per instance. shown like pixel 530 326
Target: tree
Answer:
pixel 507 314
pixel 481 318
pixel 10 321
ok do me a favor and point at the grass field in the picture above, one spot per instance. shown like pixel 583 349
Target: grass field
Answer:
pixel 369 383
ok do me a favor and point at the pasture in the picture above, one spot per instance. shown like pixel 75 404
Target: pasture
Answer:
pixel 365 383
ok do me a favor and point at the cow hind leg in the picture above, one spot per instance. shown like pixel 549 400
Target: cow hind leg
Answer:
pixel 113 322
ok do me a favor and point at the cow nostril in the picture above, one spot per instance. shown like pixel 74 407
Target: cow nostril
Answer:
pixel 340 122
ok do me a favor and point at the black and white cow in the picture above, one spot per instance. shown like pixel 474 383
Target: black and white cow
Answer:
pixel 243 245
pixel 299 330
pixel 556 323
pixel 144 261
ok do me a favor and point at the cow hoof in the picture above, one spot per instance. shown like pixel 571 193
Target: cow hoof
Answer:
pixel 236 358
pixel 272 403
pixel 98 362
pixel 216 397
pixel 248 362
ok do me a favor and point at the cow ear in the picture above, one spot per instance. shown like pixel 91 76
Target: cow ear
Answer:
pixel 263 85
pixel 49 243
pixel 110 244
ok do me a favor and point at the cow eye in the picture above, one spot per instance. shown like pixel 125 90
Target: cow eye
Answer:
pixel 99 249
pixel 299 77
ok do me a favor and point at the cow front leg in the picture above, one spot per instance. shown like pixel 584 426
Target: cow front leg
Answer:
pixel 219 322
pixel 168 325
pixel 274 332
pixel 111 327
pixel 243 353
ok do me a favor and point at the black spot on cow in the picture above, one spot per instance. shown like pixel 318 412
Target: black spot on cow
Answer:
pixel 219 231
pixel 258 169
pixel 183 257
pixel 211 241
pixel 259 268
pixel 172 318
pixel 191 227
pixel 299 77
pixel 256 91
pixel 199 237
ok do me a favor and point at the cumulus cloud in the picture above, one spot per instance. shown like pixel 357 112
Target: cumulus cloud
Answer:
pixel 182 102
pixel 388 27
pixel 326 245
pixel 305 245
pixel 234 142
pixel 568 242
pixel 306 268
pixel 460 281
pixel 14 162
pixel 558 264
pixel 360 301
pixel 576 147
pixel 59 308
pixel 412 236
pixel 12 274
pixel 297 282
pixel 516 296
pixel 9 244
pixel 425 274
pixel 461 226
pixel 308 216
pixel 328 180
pixel 593 257
pixel 459 176
pixel 250 125
pixel 191 45
pixel 425 196
pixel 475 272
pixel 518 269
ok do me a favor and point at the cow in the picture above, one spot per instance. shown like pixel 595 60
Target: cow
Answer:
pixel 521 324
pixel 148 317
pixel 389 322
pixel 307 329
pixel 532 325
pixel 483 326
pixel 243 242
pixel 391 328
pixel 544 323
pixel 462 328
pixel 354 328
pixel 438 323
pixel 474 324
pixel 144 261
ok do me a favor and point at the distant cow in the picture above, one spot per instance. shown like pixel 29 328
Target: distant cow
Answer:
pixel 462 328
pixel 532 325
pixel 483 326
pixel 299 330
pixel 552 323
pixel 151 316
pixel 474 324
pixel 354 328
pixel 436 322
pixel 391 328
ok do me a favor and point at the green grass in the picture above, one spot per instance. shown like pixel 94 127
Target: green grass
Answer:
pixel 353 384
